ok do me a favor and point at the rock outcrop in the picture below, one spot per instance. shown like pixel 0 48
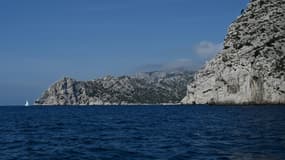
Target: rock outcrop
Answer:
pixel 251 67
pixel 142 88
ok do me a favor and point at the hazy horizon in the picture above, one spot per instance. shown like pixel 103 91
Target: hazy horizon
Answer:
pixel 43 41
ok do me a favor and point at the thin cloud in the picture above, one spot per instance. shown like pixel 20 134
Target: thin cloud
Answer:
pixel 176 65
pixel 206 49
pixel 198 53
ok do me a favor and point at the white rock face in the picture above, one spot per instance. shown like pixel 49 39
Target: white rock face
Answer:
pixel 251 67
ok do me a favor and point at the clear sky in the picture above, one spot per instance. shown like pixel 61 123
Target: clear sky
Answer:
pixel 42 41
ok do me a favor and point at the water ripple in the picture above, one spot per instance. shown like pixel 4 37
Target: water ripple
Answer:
pixel 158 133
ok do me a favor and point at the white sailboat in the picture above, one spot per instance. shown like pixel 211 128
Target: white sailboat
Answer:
pixel 27 103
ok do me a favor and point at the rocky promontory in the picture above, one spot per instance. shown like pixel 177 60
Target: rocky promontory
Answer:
pixel 141 88
pixel 251 67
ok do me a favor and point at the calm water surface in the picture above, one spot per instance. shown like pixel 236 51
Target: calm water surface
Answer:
pixel 204 132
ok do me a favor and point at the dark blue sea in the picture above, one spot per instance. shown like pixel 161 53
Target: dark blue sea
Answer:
pixel 143 133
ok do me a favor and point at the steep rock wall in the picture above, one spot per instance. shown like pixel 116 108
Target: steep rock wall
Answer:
pixel 251 67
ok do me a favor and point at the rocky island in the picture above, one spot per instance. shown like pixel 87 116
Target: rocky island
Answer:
pixel 141 88
pixel 251 67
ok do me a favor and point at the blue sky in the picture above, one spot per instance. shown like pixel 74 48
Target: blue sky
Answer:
pixel 42 41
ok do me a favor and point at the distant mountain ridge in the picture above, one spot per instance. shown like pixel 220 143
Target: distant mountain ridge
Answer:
pixel 142 88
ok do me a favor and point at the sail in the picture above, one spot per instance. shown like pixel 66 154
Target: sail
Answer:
pixel 27 103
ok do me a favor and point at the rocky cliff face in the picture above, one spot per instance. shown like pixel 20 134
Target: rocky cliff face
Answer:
pixel 250 69
pixel 142 88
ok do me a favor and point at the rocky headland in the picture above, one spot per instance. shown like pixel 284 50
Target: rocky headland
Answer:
pixel 141 88
pixel 251 67
pixel 249 70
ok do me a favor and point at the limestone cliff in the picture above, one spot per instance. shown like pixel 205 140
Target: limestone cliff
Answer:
pixel 251 67
pixel 142 88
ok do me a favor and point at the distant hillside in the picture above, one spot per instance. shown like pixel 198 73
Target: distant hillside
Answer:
pixel 142 88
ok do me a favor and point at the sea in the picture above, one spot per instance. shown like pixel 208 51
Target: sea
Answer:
pixel 142 133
